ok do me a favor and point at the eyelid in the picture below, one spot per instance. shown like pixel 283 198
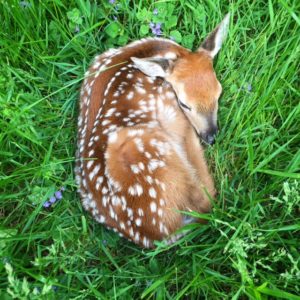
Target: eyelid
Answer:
pixel 184 105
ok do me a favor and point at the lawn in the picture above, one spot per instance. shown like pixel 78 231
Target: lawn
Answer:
pixel 249 249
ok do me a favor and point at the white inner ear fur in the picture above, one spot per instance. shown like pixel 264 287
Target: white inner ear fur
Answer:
pixel 148 67
pixel 221 35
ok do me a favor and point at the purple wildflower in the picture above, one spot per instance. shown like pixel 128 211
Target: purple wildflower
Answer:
pixel 155 12
pixel 52 200
pixel 58 195
pixel 47 204
pixel 112 1
pixel 155 28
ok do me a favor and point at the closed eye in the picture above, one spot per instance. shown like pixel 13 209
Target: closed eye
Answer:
pixel 184 106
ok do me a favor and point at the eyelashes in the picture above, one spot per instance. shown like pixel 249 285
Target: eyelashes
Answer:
pixel 184 106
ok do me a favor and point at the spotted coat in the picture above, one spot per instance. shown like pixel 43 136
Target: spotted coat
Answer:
pixel 134 169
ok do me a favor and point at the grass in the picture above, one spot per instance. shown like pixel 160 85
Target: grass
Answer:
pixel 250 247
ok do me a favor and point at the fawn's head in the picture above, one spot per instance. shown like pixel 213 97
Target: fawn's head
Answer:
pixel 193 78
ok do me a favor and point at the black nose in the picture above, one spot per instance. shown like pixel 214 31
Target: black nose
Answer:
pixel 210 139
pixel 209 136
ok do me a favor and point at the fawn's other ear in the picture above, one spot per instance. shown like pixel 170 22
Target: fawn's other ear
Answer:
pixel 154 67
pixel 214 41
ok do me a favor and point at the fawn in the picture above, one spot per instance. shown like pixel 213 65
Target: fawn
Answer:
pixel 143 108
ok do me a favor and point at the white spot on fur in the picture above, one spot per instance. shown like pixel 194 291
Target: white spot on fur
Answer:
pixel 112 213
pixel 161 227
pixel 105 122
pixel 89 164
pixel 149 179
pixel 129 212
pixel 140 90
pixel 115 200
pixel 100 219
pixel 153 207
pixel 152 192
pixel 140 212
pixel 160 212
pixel 110 112
pixel 104 201
pixel 131 232
pixel 104 190
pixel 145 242
pixel 135 190
pixel 135 132
pixel 135 169
pixel 139 144
pixel 154 164
pixel 138 222
pixel 116 94
pixel 162 202
pixel 150 79
pixel 137 236
pixel 122 225
pixel 94 172
pixel 130 95
pixel 113 137
pixel 99 182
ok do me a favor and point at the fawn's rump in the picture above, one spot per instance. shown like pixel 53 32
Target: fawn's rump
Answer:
pixel 151 175
pixel 147 186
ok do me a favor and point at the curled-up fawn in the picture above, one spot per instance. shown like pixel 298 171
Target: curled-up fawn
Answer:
pixel 143 108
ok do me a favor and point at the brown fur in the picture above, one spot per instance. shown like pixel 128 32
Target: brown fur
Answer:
pixel 195 71
pixel 183 182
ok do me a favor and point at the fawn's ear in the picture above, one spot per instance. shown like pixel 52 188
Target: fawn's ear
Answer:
pixel 214 41
pixel 154 67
